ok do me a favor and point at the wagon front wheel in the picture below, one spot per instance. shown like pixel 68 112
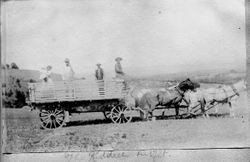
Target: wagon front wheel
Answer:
pixel 121 114
pixel 52 119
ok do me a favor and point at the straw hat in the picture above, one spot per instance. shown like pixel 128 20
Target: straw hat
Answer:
pixel 118 59
pixel 66 60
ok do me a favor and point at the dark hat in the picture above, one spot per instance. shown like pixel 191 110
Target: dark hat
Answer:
pixel 118 58
pixel 98 64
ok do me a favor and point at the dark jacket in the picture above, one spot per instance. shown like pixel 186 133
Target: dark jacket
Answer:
pixel 99 74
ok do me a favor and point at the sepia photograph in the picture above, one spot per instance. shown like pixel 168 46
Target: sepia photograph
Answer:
pixel 122 75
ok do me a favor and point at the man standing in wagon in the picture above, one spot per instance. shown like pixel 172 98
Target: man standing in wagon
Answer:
pixel 68 75
pixel 68 71
pixel 118 68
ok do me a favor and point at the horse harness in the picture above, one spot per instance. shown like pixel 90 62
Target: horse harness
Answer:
pixel 182 95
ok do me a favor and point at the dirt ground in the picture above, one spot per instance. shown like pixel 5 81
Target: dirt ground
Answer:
pixel 90 131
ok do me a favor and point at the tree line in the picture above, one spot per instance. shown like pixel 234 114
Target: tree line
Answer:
pixel 13 65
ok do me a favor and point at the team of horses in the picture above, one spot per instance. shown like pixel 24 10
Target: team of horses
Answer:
pixel 187 91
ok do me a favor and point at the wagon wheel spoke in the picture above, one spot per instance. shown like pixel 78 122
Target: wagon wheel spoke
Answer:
pixel 116 115
pixel 46 120
pixel 47 124
pixel 58 121
pixel 115 110
pixel 119 108
pixel 58 112
pixel 108 115
pixel 44 117
pixel 119 121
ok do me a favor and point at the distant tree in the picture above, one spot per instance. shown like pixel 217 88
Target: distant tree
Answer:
pixel 233 71
pixel 14 66
pixel 32 81
pixel 7 66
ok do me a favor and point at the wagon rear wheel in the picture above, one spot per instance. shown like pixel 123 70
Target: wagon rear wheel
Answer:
pixel 121 114
pixel 52 119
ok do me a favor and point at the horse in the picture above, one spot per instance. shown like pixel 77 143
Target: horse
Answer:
pixel 222 94
pixel 148 99
pixel 194 99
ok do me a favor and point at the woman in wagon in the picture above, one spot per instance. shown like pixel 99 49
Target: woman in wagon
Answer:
pixel 68 70
pixel 46 74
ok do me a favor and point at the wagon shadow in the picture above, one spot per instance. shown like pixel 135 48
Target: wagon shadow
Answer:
pixel 138 119
pixel 87 122
pixel 96 122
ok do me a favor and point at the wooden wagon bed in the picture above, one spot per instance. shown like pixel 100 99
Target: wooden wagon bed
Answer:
pixel 77 90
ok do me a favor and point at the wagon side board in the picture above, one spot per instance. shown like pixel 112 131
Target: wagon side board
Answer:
pixel 72 91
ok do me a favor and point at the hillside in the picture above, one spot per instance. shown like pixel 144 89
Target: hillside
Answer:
pixel 26 75
pixel 221 77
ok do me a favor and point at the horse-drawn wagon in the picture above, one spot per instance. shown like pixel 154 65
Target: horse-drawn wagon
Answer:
pixel 54 100
pixel 114 98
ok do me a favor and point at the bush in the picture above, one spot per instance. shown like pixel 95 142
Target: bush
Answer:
pixel 14 66
pixel 14 92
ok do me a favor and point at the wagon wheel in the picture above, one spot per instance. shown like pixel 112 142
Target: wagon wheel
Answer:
pixel 121 114
pixel 52 119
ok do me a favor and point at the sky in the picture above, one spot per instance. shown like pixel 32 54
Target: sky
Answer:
pixel 152 36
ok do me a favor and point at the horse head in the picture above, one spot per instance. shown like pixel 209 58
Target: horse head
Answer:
pixel 240 85
pixel 188 85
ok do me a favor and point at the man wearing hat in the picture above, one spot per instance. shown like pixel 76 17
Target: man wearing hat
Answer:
pixel 68 71
pixel 118 68
pixel 99 74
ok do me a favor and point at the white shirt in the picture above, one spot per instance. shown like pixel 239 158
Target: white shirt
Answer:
pixel 68 73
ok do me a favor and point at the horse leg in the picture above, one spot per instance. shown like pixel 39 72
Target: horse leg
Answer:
pixel 142 115
pixel 163 114
pixel 231 109
pixel 177 112
pixel 206 113
pixel 204 108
